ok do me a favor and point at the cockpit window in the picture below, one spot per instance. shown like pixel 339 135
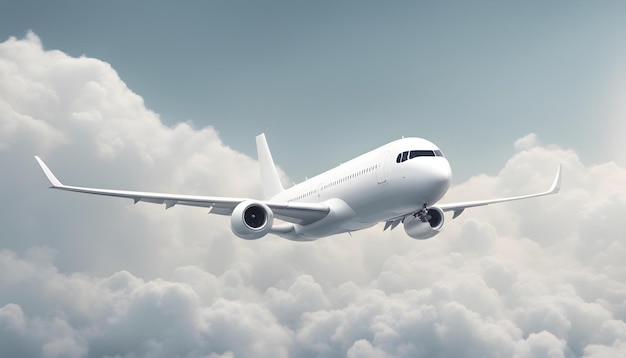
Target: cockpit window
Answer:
pixel 404 156
pixel 421 153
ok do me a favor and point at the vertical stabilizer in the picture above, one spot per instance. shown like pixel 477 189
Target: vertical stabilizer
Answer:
pixel 270 182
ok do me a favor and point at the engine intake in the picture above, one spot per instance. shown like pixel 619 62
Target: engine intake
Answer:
pixel 251 220
pixel 426 227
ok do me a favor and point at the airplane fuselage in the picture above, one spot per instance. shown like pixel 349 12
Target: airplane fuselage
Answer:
pixel 377 186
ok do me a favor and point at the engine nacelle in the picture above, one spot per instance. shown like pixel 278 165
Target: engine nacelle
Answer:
pixel 251 220
pixel 421 230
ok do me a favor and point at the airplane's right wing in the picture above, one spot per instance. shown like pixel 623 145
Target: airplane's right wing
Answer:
pixel 297 213
pixel 458 208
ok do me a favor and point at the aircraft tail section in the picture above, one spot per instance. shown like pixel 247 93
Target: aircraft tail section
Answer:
pixel 270 182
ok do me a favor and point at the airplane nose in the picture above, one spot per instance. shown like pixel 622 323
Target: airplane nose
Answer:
pixel 440 178
pixel 430 180
pixel 442 173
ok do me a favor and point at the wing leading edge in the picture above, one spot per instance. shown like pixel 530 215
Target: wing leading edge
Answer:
pixel 458 208
pixel 297 213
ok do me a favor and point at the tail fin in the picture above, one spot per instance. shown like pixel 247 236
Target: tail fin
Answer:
pixel 270 182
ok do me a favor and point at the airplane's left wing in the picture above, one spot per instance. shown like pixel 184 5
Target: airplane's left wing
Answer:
pixel 458 208
pixel 298 213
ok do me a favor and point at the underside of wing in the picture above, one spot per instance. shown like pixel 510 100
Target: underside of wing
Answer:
pixel 297 213
pixel 458 208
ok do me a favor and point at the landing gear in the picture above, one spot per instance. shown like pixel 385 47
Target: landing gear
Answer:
pixel 423 215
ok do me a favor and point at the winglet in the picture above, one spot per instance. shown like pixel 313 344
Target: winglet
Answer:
pixel 556 186
pixel 53 180
pixel 270 181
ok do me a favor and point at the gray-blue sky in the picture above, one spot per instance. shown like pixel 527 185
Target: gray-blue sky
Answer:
pixel 328 80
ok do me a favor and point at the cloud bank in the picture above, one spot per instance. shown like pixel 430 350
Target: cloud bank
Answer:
pixel 85 276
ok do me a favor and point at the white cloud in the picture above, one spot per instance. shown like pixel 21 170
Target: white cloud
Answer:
pixel 527 142
pixel 89 276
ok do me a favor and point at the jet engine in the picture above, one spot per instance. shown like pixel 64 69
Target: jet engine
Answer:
pixel 424 225
pixel 251 220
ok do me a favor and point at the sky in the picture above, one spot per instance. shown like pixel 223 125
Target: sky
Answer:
pixel 164 96
pixel 473 75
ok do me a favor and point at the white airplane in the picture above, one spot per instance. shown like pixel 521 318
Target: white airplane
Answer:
pixel 400 182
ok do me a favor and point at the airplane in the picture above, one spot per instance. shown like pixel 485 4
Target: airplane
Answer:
pixel 398 183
